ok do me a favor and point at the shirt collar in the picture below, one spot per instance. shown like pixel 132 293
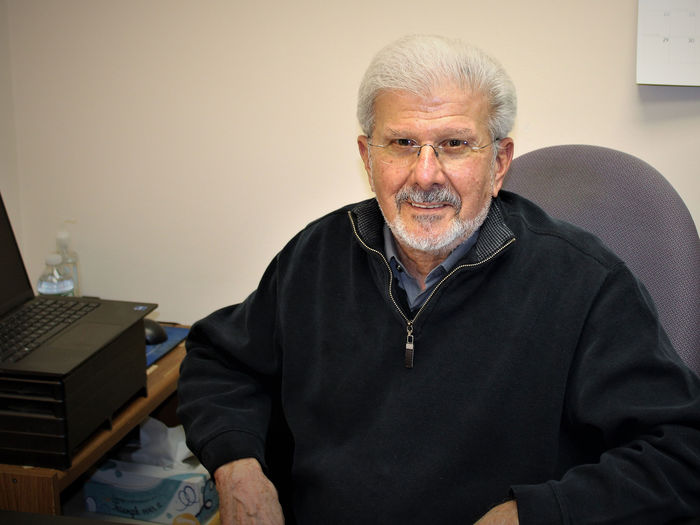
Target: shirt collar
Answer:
pixel 445 266
pixel 408 283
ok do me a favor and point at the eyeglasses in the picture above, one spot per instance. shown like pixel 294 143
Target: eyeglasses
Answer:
pixel 452 153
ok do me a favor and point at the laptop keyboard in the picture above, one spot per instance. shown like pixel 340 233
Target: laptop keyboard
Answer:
pixel 36 322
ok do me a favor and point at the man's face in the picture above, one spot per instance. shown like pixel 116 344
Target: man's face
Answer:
pixel 430 207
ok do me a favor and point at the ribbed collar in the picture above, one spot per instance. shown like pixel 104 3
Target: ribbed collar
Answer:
pixel 494 233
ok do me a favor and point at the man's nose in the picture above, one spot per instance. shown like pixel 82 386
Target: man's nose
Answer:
pixel 427 169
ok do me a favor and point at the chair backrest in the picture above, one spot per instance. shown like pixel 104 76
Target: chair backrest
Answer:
pixel 636 212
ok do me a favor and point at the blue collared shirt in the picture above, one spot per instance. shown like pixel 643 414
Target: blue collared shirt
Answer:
pixel 416 296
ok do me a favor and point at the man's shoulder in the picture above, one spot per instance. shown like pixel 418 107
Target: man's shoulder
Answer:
pixel 539 229
pixel 340 214
pixel 331 229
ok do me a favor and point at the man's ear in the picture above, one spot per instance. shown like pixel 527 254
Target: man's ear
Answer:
pixel 363 146
pixel 504 157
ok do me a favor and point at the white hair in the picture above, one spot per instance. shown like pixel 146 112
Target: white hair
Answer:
pixel 418 64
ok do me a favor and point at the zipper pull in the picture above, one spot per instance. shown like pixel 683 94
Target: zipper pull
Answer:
pixel 408 358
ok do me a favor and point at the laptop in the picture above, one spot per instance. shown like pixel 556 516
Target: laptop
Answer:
pixel 78 371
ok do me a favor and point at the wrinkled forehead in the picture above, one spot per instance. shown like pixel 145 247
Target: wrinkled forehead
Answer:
pixel 449 107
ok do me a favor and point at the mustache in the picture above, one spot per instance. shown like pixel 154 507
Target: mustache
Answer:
pixel 434 194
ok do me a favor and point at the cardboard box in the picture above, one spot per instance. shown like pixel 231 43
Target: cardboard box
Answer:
pixel 179 493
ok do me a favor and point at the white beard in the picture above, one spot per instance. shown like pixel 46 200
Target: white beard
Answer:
pixel 426 241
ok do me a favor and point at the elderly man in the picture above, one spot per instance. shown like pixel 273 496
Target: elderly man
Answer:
pixel 446 352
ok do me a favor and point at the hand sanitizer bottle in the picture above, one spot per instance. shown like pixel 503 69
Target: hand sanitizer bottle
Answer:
pixel 70 259
pixel 55 280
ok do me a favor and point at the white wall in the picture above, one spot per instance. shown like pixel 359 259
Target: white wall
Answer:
pixel 9 177
pixel 191 139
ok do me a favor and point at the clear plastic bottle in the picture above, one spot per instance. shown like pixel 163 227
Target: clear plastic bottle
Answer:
pixel 55 280
pixel 70 259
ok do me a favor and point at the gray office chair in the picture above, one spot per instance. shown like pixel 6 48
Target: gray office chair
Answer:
pixel 636 212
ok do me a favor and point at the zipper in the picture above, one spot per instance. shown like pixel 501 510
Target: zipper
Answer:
pixel 410 347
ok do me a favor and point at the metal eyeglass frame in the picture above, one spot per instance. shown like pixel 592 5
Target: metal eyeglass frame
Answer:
pixel 419 148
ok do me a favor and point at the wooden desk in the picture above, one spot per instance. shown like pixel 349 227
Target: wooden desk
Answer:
pixel 38 489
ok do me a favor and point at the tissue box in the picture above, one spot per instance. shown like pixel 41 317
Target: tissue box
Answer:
pixel 162 494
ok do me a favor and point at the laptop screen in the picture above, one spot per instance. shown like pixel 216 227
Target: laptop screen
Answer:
pixel 15 287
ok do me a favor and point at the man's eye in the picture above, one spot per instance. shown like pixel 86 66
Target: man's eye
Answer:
pixel 455 144
pixel 402 143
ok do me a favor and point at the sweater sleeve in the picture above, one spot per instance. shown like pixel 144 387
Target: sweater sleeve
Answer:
pixel 227 379
pixel 630 391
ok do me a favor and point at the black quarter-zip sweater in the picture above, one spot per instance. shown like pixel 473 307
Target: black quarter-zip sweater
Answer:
pixel 539 372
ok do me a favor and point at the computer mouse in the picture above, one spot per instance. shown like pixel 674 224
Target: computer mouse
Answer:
pixel 155 333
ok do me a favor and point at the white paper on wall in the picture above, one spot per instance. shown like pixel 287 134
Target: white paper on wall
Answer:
pixel 668 47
